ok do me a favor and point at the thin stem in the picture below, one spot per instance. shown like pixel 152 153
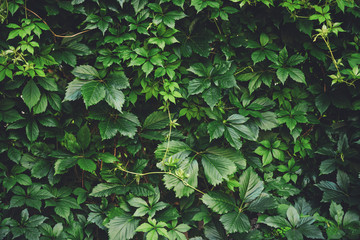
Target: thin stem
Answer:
pixel 56 35
pixel 170 129
pixel 168 173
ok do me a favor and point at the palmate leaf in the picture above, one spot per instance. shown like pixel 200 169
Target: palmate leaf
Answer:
pixel 219 202
pixel 122 227
pixel 217 168
pixel 73 90
pixel 250 185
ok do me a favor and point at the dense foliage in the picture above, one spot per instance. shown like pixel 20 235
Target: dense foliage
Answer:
pixel 196 119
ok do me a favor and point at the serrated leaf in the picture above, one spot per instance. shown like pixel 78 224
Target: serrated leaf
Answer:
pixel 32 130
pixel 73 90
pixel 115 98
pixel 86 164
pixel 217 168
pixel 215 129
pixel 282 74
pixel 277 222
pixel 85 72
pixel 107 128
pixel 93 92
pixel 250 185
pixel 262 203
pixel 122 227
pixel 106 189
pixel 31 94
pixel 212 96
pixel 219 202
pixel 297 75
pixel 235 222
pixel 293 216
pixel 156 120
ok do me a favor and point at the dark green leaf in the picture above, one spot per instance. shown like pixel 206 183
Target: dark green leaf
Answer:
pixel 31 94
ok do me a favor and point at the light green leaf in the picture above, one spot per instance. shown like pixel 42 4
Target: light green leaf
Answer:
pixel 115 98
pixel 147 67
pixel 73 90
pixel 250 185
pixel 31 94
pixel 293 216
pixel 217 168
pixel 93 92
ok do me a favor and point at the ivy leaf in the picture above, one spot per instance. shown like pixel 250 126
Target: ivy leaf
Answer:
pixel 250 185
pixel 197 86
pixel 107 128
pixel 217 168
pixel 235 222
pixel 219 202
pixel 31 94
pixel 93 92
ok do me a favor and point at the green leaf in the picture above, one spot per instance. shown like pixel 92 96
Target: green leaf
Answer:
pixel 106 189
pixel 122 227
pixel 219 202
pixel 250 185
pixel 83 137
pixel 229 153
pixel 48 84
pixel 41 106
pixel 156 120
pixel 93 92
pixel 73 90
pixel 217 168
pixel 215 129
pixel 322 102
pixel 233 137
pixel 258 56
pixel 293 216
pixel 282 74
pixel 63 164
pixel 262 203
pixel 297 75
pixel 147 67
pixel 107 128
pixel 86 164
pixel 32 130
pixel 293 234
pixel 85 72
pixel 115 98
pixel 277 222
pixel 31 94
pixel 212 96
pixel 197 86
pixel 336 212
pixel 311 231
pixel 235 222
pixel 331 191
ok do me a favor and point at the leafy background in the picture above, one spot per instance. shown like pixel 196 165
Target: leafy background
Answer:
pixel 179 119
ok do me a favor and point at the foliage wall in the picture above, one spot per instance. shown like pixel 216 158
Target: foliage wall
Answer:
pixel 179 119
